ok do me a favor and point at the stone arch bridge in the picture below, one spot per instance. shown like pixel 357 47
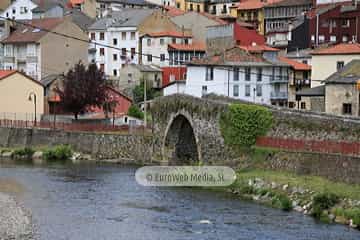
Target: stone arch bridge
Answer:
pixel 187 129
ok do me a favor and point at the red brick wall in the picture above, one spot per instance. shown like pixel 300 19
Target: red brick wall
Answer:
pixel 346 148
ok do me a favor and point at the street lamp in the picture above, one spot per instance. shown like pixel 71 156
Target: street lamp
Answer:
pixel 31 99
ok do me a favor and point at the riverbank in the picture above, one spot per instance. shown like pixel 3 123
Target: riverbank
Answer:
pixel 328 201
pixel 15 222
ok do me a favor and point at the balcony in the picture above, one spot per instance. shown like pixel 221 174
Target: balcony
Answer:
pixel 279 79
pixel 8 59
pixel 278 95
pixel 32 59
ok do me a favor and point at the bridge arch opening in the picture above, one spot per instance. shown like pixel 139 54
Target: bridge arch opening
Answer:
pixel 180 147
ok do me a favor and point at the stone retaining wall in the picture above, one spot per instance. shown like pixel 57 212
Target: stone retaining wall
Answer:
pixel 130 148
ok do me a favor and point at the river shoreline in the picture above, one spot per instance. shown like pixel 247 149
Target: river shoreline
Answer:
pixel 15 221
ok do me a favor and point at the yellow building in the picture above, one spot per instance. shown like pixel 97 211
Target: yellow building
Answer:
pixel 18 95
pixel 251 11
pixel 196 5
pixel 180 4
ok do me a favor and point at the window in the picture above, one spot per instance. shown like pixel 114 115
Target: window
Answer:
pixel 347 108
pixel 173 40
pixel 247 90
pixel 198 8
pixel 115 57
pixel 162 57
pixel 321 38
pixel 291 104
pixel 132 53
pixel 259 90
pixel 102 36
pixel 313 38
pixel 115 41
pixel 115 72
pixel 23 10
pixel 303 105
pixel 191 7
pixel 129 77
pixel 247 74
pixel 332 38
pixel 339 65
pixel 123 53
pixel 236 74
pixel 162 41
pixel 209 74
pixel 186 41
pixel 345 38
pixel 259 75
pixel 123 36
pixel 204 90
pixel 149 42
pixel 345 23
pixel 102 51
pixel 132 36
pixel 102 67
pixel 92 36
pixel 236 90
pixel 149 58
pixel 14 11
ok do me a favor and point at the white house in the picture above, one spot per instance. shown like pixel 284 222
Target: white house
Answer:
pixel 175 87
pixel 157 44
pixel 259 78
pixel 119 30
pixel 19 10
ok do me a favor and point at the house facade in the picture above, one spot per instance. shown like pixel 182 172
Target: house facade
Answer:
pixel 120 31
pixel 334 58
pixel 334 23
pixel 19 10
pixel 342 91
pixel 299 79
pixel 32 51
pixel 105 7
pixel 279 18
pixel 239 74
pixel 157 44
pixel 17 96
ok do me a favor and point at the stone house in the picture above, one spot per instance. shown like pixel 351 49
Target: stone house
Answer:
pixel 18 95
pixel 32 51
pixel 299 79
pixel 342 90
pixel 333 58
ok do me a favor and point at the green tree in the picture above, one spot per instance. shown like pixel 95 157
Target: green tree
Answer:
pixel 134 111
pixel 138 92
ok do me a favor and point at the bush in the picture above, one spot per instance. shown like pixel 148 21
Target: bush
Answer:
pixel 246 189
pixel 59 153
pixel 134 111
pixel 243 123
pixel 323 201
pixel 23 153
pixel 352 213
pixel 282 201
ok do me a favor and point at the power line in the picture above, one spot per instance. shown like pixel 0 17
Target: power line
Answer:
pixel 89 41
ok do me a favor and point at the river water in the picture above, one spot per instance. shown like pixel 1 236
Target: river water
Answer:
pixel 92 202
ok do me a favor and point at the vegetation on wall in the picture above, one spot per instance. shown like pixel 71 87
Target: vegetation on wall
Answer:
pixel 242 124
pixel 58 153
pixel 134 111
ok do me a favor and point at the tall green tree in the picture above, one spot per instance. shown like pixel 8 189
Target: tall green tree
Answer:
pixel 83 88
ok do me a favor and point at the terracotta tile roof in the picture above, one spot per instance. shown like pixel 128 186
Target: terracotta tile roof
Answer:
pixel 195 46
pixel 258 48
pixel 169 34
pixel 254 4
pixel 29 34
pixel 325 7
pixel 213 17
pixel 5 73
pixel 295 65
pixel 233 56
pixel 173 11
pixel 76 2
pixel 342 48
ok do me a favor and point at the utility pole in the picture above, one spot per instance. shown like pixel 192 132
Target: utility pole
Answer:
pixel 145 121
